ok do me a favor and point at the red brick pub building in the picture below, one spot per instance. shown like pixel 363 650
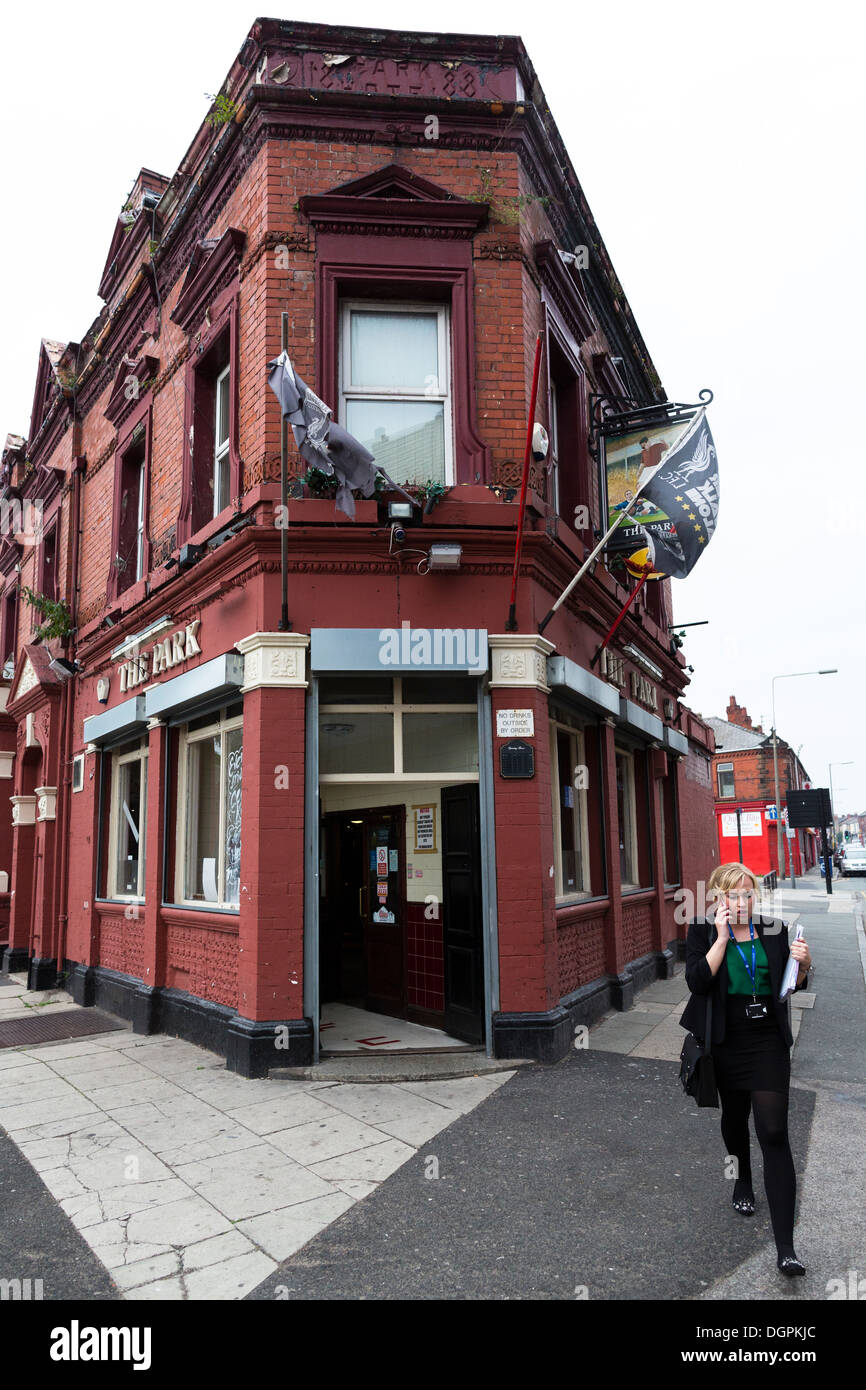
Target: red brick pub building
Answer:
pixel 222 828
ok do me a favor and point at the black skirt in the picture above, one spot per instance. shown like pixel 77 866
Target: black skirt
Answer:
pixel 753 1056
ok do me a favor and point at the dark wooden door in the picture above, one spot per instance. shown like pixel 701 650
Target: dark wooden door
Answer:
pixel 382 909
pixel 461 913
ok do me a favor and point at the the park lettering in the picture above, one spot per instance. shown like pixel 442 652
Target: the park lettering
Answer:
pixel 169 651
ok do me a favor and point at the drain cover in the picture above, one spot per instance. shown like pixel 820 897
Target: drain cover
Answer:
pixel 49 1027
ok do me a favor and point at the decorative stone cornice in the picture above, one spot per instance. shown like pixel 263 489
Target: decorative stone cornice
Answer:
pixel 273 659
pixel 519 659
pixel 46 804
pixel 394 201
pixel 140 370
pixel 214 264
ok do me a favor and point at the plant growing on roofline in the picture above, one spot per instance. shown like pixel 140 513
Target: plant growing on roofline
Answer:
pixel 59 618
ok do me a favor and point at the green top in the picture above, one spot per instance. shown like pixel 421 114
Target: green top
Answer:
pixel 739 981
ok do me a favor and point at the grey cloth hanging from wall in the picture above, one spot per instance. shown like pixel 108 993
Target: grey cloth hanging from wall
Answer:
pixel 321 441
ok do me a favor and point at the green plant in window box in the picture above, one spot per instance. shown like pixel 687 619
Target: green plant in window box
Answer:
pixel 429 494
pixel 318 483
pixel 58 617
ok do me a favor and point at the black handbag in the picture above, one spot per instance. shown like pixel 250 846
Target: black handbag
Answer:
pixel 697 1071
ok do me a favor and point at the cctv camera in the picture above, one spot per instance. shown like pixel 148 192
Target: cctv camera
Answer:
pixel 398 535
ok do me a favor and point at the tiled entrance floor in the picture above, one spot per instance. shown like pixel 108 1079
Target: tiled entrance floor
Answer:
pixel 347 1029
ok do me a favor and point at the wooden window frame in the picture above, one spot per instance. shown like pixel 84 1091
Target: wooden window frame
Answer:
pixel 219 727
pixel 119 759
pixel 137 432
pixel 577 755
pixel 348 391
pixel 630 839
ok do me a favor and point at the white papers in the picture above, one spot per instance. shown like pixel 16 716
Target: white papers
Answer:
pixel 208 879
pixel 792 969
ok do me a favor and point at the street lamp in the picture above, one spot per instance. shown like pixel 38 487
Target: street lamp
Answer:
pixel 786 675
pixel 848 763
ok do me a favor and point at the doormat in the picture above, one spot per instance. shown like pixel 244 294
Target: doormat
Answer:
pixel 48 1027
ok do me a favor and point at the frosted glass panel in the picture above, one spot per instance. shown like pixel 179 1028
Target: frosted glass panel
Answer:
pixel 394 350
pixel 440 743
pixel 356 743
pixel 406 438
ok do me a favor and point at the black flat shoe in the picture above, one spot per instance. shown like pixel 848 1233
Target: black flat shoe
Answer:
pixel 743 1199
pixel 789 1264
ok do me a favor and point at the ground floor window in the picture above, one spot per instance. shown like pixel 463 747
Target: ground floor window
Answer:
pixel 570 832
pixel 670 825
pixel 127 823
pixel 209 809
pixel 626 819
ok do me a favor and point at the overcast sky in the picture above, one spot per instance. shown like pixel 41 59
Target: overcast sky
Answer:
pixel 720 148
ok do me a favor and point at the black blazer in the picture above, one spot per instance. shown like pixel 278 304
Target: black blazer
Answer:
pixel 773 935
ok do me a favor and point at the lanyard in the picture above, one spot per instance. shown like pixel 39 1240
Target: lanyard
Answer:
pixel 751 973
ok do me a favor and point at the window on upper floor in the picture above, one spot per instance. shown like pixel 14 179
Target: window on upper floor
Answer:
pixel 48 564
pixel 395 386
pixel 725 775
pixel 129 555
pixel 567 461
pixel 9 633
pixel 211 433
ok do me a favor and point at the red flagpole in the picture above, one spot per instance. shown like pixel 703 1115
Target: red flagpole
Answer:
pixel 647 570
pixel 511 624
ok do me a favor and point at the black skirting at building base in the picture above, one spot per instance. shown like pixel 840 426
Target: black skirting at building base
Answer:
pixel 42 973
pixel 548 1036
pixel 15 959
pixel 250 1048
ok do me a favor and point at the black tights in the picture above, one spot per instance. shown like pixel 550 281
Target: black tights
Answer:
pixel 770 1111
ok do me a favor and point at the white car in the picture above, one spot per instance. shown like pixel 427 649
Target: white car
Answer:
pixel 853 861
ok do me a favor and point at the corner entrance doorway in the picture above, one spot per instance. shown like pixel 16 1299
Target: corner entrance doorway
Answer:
pixel 401 962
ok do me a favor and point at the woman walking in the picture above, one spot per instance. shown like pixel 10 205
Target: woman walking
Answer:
pixel 738 957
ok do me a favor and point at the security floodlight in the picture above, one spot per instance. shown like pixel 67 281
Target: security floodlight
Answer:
pixel 63 668
pixel 445 557
pixel 400 511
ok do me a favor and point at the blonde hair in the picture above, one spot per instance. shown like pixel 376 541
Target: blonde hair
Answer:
pixel 725 878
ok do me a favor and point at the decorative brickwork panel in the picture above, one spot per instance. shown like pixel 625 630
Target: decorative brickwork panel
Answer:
pixel 580 949
pixel 121 943
pixel 637 926
pixel 204 962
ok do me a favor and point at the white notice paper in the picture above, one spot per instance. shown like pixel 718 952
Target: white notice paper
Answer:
pixel 792 970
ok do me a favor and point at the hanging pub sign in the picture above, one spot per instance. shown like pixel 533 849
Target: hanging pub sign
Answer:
pixel 661 477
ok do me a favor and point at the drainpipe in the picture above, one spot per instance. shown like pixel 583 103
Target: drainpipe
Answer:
pixel 64 797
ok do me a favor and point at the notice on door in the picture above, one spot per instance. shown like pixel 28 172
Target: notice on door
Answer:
pixel 425 829
pixel 515 723
pixel 381 861
pixel 383 915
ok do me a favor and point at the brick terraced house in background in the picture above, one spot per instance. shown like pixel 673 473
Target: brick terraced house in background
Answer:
pixel 745 796
pixel 248 835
